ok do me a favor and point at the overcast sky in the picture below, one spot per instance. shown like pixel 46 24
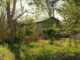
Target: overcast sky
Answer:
pixel 31 10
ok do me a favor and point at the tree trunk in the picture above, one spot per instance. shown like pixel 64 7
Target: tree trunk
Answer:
pixel 15 50
pixel 13 41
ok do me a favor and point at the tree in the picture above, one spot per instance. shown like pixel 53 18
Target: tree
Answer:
pixel 46 5
pixel 11 17
pixel 70 13
pixel 9 9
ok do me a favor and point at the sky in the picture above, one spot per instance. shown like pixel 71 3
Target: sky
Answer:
pixel 31 10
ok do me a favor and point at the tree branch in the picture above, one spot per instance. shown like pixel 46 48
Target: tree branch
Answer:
pixel 14 8
pixel 21 6
pixel 8 9
pixel 20 15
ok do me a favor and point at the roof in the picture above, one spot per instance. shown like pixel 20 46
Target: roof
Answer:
pixel 51 18
pixel 45 23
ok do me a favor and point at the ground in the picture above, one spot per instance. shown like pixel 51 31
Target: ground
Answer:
pixel 42 50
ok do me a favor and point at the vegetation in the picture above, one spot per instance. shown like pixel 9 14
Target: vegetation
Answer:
pixel 5 54
pixel 70 12
pixel 34 32
pixel 43 50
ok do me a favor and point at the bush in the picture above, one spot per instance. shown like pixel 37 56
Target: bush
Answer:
pixel 5 54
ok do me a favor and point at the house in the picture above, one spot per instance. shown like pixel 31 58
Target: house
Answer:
pixel 44 25
pixel 48 23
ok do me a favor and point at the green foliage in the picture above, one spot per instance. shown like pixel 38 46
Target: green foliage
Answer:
pixel 26 28
pixel 30 27
pixel 5 54
pixel 44 51
pixel 70 12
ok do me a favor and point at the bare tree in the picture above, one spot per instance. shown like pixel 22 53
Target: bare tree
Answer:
pixel 9 7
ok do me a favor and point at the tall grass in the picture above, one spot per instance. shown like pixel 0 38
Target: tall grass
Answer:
pixel 5 54
pixel 42 50
pixel 60 50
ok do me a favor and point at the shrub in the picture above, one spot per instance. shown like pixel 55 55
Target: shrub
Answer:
pixel 5 54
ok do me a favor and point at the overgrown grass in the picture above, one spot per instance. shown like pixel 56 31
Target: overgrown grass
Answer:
pixel 5 54
pixel 60 50
pixel 67 49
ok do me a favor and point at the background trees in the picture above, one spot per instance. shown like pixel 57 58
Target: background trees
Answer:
pixel 9 17
pixel 70 13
